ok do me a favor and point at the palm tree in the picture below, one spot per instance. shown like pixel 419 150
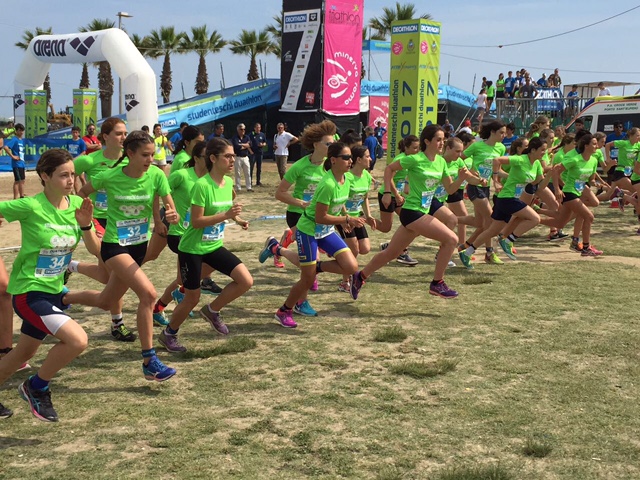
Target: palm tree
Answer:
pixel 140 43
pixel 29 35
pixel 164 42
pixel 382 24
pixel 105 79
pixel 202 42
pixel 275 30
pixel 252 43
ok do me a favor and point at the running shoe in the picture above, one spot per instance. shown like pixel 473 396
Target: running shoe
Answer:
pixel 507 248
pixel 267 251
pixel 215 320
pixel 178 297
pixel 287 238
pixel 160 319
pixel 286 318
pixel 441 289
pixel 207 285
pixel 405 259
pixel 559 235
pixel 315 286
pixel 384 246
pixel 591 251
pixel 576 246
pixel 277 262
pixel 617 193
pixel 492 258
pixel 303 308
pixel 465 258
pixel 67 274
pixel 344 287
pixel 356 282
pixel 451 264
pixel 122 333
pixel 614 204
pixel 24 366
pixel 39 402
pixel 170 342
pixel 157 371
pixel 5 412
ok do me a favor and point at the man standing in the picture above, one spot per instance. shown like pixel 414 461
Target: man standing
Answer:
pixel 242 148
pixel 554 79
pixel 379 132
pixel 258 142
pixel 91 141
pixel 371 143
pixel 218 131
pixel 173 141
pixel 76 145
pixel 603 91
pixel 281 142
pixel 15 148
pixel 572 101
pixel 509 85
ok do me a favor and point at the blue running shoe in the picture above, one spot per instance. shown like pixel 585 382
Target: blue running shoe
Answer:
pixel 39 402
pixel 157 371
pixel 178 296
pixel 267 251
pixel 303 308
pixel 160 319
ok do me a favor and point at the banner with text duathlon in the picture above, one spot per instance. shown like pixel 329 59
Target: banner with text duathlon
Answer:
pixel 35 117
pixel 415 64
pixel 85 108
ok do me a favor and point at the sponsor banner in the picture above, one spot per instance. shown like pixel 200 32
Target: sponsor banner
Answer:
pixel 301 61
pixel 549 100
pixel 445 92
pixel 376 46
pixel 35 111
pixel 33 149
pixel 415 65
pixel 379 112
pixel 71 48
pixel 85 108
pixel 342 57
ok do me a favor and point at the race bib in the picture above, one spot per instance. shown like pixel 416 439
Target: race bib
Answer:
pixel 187 219
pixel 101 199
pixel 323 231
pixel 519 190
pixel 440 192
pixel 579 186
pixel 52 262
pixel 133 232
pixel 400 184
pixel 485 171
pixel 354 203
pixel 213 233
pixel 427 198
pixel 307 195
pixel 628 171
pixel 614 153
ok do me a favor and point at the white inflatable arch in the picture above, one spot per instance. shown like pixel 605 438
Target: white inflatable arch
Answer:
pixel 112 45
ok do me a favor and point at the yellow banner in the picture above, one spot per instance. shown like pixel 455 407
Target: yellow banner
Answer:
pixel 413 85
pixel 35 113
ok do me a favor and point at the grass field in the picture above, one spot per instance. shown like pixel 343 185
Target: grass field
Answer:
pixel 532 373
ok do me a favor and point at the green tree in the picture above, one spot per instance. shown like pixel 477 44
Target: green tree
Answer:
pixel 164 42
pixel 275 30
pixel 140 43
pixel 29 35
pixel 252 43
pixel 382 24
pixel 105 78
pixel 202 42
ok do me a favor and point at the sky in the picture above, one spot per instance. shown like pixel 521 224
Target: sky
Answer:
pixel 593 54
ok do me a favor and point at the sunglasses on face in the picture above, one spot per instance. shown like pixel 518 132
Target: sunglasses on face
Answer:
pixel 345 157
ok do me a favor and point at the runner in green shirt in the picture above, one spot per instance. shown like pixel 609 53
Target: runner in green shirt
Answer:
pixel 211 204
pixel 184 148
pixel 524 169
pixel 627 155
pixel 52 223
pixel 420 211
pixel 130 195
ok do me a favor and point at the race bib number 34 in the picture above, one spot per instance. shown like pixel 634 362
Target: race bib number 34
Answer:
pixel 52 262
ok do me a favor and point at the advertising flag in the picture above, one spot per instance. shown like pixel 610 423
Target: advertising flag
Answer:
pixel 35 120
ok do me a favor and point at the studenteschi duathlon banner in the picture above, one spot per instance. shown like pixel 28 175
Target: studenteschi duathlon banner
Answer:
pixel 415 65
pixel 342 57
pixel 300 65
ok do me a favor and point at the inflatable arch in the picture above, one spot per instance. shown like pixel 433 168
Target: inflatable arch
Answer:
pixel 112 45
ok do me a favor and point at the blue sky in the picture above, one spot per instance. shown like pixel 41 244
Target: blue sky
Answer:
pixel 599 49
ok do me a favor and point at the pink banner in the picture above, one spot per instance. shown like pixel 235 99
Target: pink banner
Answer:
pixel 342 57
pixel 379 112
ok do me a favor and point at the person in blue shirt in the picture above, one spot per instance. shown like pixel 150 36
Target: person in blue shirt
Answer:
pixel 379 132
pixel 258 142
pixel 15 149
pixel 173 141
pixel 509 83
pixel 542 82
pixel 217 132
pixel 76 145
pixel 371 143
pixel 510 136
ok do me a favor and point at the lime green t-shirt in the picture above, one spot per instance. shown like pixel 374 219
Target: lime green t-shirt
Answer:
pixel 559 157
pixel 500 85
pixel 305 177
pixel 627 154
pixel 491 91
pixel 399 178
pixel 482 156
pixel 215 199
pixel 130 203
pixel 521 172
pixel 181 183
pixel 91 165
pixel 328 192
pixel 358 189
pixel 451 170
pixel 49 237
pixel 160 153
pixel 599 156
pixel 179 160
pixel 578 172
pixel 424 177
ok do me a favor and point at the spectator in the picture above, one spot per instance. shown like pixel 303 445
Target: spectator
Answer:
pixel 281 142
pixel 258 142
pixel 554 79
pixel 15 149
pixel 518 83
pixel 76 145
pixel 510 136
pixel 160 142
pixel 603 91
pixel 491 94
pixel 448 128
pixel 481 105
pixel 484 83
pixel 10 130
pixel 572 101
pixel 173 141
pixel 528 90
pixel 372 145
pixel 379 132
pixel 145 129
pixel 218 131
pixel 509 84
pixel 91 141
pixel 242 149
pixel 578 124
pixel 466 127
pixel 542 81
pixel 500 86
